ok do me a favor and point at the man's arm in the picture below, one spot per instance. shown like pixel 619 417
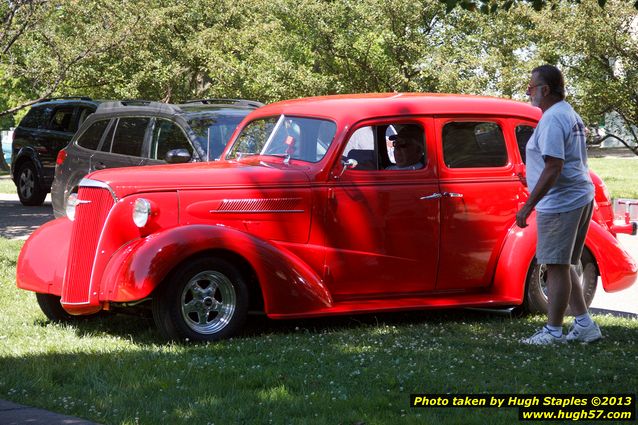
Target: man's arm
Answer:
pixel 547 179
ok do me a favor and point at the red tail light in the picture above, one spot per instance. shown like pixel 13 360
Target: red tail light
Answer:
pixel 61 157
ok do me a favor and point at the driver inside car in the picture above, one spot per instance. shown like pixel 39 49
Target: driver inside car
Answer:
pixel 408 149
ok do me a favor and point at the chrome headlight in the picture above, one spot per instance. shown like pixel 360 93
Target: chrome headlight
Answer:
pixel 71 203
pixel 141 212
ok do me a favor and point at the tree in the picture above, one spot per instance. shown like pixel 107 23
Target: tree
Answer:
pixel 52 41
pixel 598 51
pixel 491 6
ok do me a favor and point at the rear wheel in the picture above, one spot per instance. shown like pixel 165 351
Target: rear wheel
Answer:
pixel 536 297
pixel 29 190
pixel 203 300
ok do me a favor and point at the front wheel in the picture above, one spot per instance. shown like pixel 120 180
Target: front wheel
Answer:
pixel 536 297
pixel 52 309
pixel 203 300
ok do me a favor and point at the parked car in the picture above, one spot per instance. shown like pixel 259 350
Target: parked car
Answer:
pixel 132 133
pixel 45 129
pixel 5 158
pixel 295 222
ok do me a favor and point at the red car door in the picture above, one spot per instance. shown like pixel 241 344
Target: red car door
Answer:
pixel 382 226
pixel 481 188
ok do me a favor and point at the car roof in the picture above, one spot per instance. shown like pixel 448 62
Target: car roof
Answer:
pixel 360 106
pixel 190 107
pixel 54 101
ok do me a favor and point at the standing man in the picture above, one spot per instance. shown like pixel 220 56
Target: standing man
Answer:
pixel 562 192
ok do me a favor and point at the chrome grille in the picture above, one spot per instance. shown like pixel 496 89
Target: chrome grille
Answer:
pixel 90 216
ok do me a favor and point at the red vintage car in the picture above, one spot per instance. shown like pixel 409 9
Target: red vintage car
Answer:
pixel 313 211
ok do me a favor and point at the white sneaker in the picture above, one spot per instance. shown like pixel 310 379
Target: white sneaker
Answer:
pixel 580 333
pixel 543 337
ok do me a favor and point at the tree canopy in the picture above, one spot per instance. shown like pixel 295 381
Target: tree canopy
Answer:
pixel 270 50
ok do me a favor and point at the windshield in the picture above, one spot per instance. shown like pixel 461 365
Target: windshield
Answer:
pixel 304 139
pixel 212 131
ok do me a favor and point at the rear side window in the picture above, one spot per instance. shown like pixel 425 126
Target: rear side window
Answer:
pixel 473 145
pixel 62 120
pixel 84 113
pixel 129 136
pixel 523 133
pixel 168 136
pixel 90 139
pixel 37 117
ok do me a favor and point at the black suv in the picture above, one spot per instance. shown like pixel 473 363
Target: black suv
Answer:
pixel 132 133
pixel 48 127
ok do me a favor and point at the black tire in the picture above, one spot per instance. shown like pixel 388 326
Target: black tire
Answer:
pixel 52 309
pixel 203 300
pixel 29 188
pixel 536 296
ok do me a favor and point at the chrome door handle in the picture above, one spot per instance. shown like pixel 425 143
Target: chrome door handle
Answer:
pixel 433 196
pixel 453 195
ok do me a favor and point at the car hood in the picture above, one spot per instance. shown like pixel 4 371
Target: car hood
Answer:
pixel 203 175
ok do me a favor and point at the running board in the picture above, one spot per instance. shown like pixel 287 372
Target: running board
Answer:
pixel 486 301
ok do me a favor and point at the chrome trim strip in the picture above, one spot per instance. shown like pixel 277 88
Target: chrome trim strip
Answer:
pixel 98 184
pixel 261 205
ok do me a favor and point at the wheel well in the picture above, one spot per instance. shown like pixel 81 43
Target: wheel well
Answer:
pixel 21 160
pixel 243 266
pixel 586 252
pixel 16 167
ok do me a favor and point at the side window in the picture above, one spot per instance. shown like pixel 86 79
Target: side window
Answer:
pixel 393 146
pixel 473 145
pixel 167 136
pixel 129 136
pixel 83 115
pixel 523 133
pixel 362 148
pixel 37 117
pixel 62 120
pixel 90 139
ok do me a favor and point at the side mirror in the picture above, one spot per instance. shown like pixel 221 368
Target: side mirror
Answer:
pixel 178 156
pixel 347 165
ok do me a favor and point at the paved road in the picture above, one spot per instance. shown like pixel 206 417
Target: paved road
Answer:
pixel 18 221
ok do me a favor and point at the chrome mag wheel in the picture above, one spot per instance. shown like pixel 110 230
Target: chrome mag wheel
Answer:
pixel 208 302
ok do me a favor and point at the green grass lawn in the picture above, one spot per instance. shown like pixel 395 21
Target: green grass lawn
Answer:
pixel 6 184
pixel 348 370
pixel 619 174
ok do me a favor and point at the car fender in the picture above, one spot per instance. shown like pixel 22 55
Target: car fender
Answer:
pixel 40 267
pixel 517 254
pixel 26 153
pixel 618 270
pixel 288 285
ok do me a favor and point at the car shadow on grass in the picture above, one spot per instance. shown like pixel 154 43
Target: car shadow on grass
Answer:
pixel 141 328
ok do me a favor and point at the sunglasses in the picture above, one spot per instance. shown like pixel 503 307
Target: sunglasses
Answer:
pixel 402 144
pixel 530 88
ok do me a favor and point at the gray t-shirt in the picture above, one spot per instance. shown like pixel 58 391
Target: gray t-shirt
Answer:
pixel 560 134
